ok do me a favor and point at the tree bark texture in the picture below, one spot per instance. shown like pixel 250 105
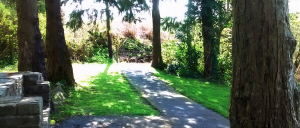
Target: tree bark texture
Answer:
pixel 110 50
pixel 59 64
pixel 157 61
pixel 264 93
pixel 31 54
pixel 209 41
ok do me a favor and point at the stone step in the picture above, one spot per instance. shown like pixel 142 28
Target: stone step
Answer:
pixel 10 88
pixel 32 78
pixel 3 91
pixel 26 113
pixel 24 100
pixel 10 85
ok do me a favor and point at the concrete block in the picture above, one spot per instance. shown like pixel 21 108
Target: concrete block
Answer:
pixel 31 78
pixel 10 99
pixel 8 109
pixel 40 88
pixel 45 96
pixel 30 106
pixel 16 121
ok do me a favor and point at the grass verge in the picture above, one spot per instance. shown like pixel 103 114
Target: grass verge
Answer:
pixel 107 93
pixel 212 96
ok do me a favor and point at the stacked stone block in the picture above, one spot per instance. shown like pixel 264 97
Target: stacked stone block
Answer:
pixel 22 104
pixel 34 85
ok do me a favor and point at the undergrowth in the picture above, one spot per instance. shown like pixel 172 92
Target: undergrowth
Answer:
pixel 8 66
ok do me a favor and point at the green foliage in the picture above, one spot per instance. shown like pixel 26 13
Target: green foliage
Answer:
pixel 107 94
pixel 42 25
pixel 99 56
pixel 211 95
pixel 189 57
pixel 8 66
pixel 85 42
pixel 75 21
pixel 135 44
pixel 295 27
pixel 8 34
pixel 186 55
pixel 169 50
pixel 225 57
pixel 41 6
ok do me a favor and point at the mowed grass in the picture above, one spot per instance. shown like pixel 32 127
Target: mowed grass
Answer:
pixel 212 96
pixel 105 94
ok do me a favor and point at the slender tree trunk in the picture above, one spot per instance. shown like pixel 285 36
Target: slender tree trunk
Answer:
pixel 59 64
pixel 264 93
pixel 218 39
pixel 31 54
pixel 110 51
pixel 12 49
pixel 209 41
pixel 156 55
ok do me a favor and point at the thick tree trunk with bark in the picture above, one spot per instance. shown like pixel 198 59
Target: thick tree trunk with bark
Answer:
pixel 59 64
pixel 209 41
pixel 110 51
pixel 264 93
pixel 157 61
pixel 31 54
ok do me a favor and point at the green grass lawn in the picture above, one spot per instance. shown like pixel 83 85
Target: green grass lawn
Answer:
pixel 213 96
pixel 107 93
pixel 9 68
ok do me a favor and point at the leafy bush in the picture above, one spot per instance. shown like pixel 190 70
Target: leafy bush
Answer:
pixel 183 71
pixel 82 42
pixel 8 34
pixel 225 57
pixel 99 56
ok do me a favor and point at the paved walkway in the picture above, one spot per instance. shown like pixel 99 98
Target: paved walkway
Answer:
pixel 182 111
pixel 177 110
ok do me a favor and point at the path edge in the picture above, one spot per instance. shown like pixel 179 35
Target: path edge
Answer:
pixel 142 94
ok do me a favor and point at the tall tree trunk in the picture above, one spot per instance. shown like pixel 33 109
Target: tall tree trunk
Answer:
pixel 31 54
pixel 110 51
pixel 209 41
pixel 156 55
pixel 264 93
pixel 12 49
pixel 218 39
pixel 59 64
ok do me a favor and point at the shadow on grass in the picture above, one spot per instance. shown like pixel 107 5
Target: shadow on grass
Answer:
pixel 107 94
pixel 211 95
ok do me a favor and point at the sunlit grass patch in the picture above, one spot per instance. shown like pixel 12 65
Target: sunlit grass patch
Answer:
pixel 9 68
pixel 107 93
pixel 210 95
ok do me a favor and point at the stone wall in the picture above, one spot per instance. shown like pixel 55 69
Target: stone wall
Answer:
pixel 24 100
